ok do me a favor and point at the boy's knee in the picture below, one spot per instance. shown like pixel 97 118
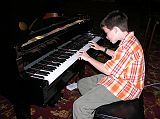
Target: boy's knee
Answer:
pixel 80 82
pixel 79 104
pixel 76 104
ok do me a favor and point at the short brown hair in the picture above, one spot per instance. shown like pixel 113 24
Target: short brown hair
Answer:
pixel 115 18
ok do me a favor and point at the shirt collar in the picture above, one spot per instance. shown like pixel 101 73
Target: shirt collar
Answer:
pixel 128 36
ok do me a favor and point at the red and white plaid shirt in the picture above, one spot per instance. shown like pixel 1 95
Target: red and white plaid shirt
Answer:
pixel 127 70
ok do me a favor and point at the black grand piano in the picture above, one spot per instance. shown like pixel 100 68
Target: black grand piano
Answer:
pixel 47 59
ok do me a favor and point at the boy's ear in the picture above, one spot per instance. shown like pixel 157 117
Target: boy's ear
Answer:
pixel 116 29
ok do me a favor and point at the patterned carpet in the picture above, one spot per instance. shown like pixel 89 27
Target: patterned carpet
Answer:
pixel 152 93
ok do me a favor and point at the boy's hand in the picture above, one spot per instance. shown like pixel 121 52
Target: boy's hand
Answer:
pixel 94 45
pixel 83 55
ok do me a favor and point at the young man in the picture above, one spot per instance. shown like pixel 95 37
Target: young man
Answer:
pixel 122 77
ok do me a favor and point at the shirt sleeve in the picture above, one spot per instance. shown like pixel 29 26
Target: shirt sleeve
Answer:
pixel 118 63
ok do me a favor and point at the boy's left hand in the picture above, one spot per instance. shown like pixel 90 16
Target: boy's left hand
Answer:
pixel 83 55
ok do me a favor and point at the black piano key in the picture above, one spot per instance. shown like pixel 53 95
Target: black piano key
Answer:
pixel 54 55
pixel 31 71
pixel 64 56
pixel 54 59
pixel 49 68
pixel 68 51
pixel 57 53
pixel 43 73
pixel 37 66
pixel 48 59
pixel 54 64
pixel 60 60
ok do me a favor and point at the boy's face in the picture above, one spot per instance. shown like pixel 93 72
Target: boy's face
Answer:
pixel 111 35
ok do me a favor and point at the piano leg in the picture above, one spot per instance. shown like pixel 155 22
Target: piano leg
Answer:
pixel 16 95
pixel 22 109
pixel 55 99
pixel 20 105
pixel 81 68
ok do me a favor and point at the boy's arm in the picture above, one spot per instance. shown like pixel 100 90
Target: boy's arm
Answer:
pixel 110 52
pixel 107 51
pixel 98 65
pixel 95 46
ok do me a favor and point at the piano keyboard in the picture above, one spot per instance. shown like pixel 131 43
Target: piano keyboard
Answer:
pixel 53 64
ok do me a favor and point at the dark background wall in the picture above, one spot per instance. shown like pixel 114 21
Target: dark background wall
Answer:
pixel 30 9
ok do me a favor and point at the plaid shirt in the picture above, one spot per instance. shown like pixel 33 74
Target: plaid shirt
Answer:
pixel 127 70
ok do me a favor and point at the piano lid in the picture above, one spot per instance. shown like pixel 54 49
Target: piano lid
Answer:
pixel 45 28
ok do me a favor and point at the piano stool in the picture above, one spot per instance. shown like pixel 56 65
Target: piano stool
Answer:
pixel 130 109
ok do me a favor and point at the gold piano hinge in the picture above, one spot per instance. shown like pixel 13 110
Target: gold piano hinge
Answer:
pixel 51 32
